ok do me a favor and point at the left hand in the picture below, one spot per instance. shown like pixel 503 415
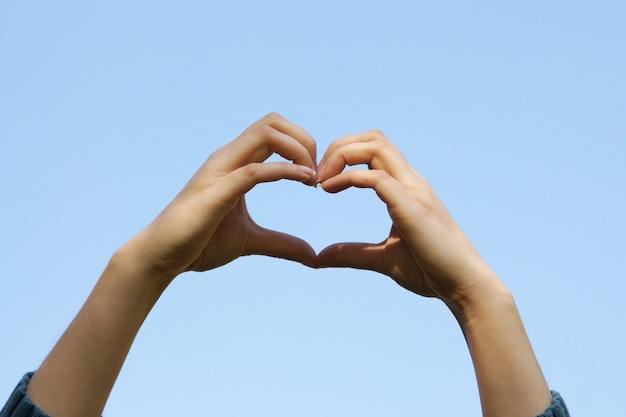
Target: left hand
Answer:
pixel 208 225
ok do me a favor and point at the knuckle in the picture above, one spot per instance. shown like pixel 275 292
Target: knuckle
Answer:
pixel 378 135
pixel 265 131
pixel 380 175
pixel 272 117
pixel 251 170
pixel 425 199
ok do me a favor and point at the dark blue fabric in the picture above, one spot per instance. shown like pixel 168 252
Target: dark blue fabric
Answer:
pixel 19 404
pixel 557 409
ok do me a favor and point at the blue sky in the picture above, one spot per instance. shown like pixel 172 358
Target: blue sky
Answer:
pixel 514 111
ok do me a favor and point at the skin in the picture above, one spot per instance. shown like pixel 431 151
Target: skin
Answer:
pixel 207 225
pixel 427 253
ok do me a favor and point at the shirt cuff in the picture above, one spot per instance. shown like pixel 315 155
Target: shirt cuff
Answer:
pixel 20 404
pixel 556 409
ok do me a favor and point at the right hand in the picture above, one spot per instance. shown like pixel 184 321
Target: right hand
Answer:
pixel 426 251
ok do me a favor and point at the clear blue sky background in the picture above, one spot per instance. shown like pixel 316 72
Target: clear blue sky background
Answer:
pixel 515 111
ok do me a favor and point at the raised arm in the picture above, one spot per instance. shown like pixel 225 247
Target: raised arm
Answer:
pixel 205 226
pixel 427 253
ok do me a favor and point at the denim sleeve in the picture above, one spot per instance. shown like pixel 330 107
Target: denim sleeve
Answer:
pixel 19 404
pixel 556 409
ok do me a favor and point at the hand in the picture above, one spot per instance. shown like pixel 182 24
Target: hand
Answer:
pixel 207 225
pixel 426 252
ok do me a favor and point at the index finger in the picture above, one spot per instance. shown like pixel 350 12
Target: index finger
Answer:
pixel 371 148
pixel 271 134
pixel 295 131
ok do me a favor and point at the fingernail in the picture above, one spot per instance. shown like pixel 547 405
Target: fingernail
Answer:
pixel 312 175
pixel 307 170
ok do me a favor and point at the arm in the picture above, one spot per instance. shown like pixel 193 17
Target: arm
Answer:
pixel 205 226
pixel 428 254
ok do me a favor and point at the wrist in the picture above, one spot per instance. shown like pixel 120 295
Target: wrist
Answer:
pixel 487 295
pixel 510 380
pixel 132 260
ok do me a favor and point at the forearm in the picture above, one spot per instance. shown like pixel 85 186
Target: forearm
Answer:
pixel 510 380
pixel 77 376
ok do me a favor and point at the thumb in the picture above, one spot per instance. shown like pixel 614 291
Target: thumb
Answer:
pixel 279 245
pixel 353 255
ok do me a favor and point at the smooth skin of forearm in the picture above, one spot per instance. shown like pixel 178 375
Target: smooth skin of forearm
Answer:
pixel 76 378
pixel 510 380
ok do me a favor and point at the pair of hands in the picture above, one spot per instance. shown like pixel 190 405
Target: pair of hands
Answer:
pixel 208 225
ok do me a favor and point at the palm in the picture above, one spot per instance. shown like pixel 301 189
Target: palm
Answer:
pixel 401 265
pixel 228 242
pixel 238 235
pixel 393 257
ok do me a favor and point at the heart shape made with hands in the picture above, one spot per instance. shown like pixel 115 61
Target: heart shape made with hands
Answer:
pixel 422 245
pixel 347 164
pixel 340 169
pixel 353 215
pixel 351 218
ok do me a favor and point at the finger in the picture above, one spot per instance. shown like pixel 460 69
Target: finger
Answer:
pixel 245 178
pixel 271 134
pixel 388 189
pixel 280 245
pixel 293 130
pixel 346 140
pixel 353 255
pixel 259 143
pixel 371 149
